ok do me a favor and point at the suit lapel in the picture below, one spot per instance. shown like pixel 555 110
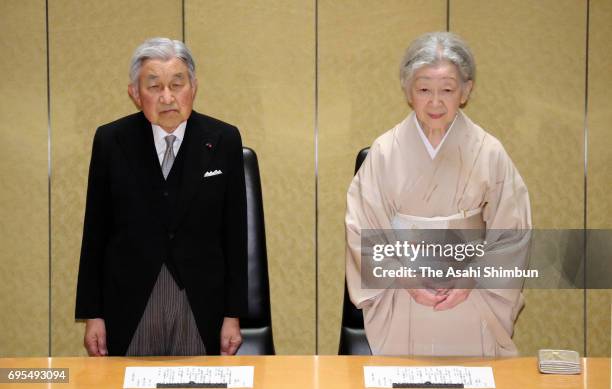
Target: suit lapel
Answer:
pixel 139 150
pixel 199 146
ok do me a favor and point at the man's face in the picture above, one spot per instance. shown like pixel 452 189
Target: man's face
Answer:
pixel 164 93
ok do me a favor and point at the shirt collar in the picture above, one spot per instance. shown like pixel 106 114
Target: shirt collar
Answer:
pixel 159 134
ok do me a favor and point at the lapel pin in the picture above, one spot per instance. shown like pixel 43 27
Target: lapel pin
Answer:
pixel 209 145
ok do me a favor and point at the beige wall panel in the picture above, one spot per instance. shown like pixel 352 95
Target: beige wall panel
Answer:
pixel 551 318
pixel 24 253
pixel 530 94
pixel 599 200
pixel 360 46
pixel 598 322
pixel 599 204
pixel 90 47
pixel 256 71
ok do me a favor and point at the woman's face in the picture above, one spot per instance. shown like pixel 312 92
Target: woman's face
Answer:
pixel 435 94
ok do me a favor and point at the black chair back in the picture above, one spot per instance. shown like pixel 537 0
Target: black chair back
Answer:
pixel 353 340
pixel 256 328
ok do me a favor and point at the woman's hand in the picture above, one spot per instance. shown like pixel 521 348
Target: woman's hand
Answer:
pixel 439 299
pixel 452 298
pixel 427 297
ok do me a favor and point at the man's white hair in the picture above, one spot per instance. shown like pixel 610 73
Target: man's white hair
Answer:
pixel 163 49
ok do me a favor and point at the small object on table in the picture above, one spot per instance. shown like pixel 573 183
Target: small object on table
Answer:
pixel 559 362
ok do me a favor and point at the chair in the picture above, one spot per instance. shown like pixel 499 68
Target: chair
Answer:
pixel 352 335
pixel 256 328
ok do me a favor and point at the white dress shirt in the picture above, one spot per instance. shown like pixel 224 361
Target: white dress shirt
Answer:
pixel 159 135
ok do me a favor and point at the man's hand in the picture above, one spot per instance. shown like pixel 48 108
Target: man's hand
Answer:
pixel 453 298
pixel 426 297
pixel 230 336
pixel 95 338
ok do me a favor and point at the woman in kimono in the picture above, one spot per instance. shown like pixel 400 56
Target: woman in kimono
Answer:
pixel 437 169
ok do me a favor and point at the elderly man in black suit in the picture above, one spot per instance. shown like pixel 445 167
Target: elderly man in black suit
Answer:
pixel 163 267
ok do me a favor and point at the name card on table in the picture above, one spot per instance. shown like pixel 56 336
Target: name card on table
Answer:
pixel 188 376
pixel 387 376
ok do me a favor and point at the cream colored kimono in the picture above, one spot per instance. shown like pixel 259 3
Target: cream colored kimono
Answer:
pixel 471 170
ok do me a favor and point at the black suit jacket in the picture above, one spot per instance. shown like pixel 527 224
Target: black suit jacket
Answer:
pixel 125 240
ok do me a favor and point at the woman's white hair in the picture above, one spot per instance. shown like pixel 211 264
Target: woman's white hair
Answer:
pixel 163 49
pixel 433 48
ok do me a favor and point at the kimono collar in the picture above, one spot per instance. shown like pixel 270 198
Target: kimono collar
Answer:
pixel 430 149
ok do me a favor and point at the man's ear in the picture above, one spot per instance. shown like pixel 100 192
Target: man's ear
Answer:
pixel 134 95
pixel 194 87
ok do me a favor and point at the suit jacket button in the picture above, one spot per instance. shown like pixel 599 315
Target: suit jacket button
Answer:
pixel 166 193
pixel 171 236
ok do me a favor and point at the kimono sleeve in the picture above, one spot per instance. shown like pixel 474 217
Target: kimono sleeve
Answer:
pixel 507 199
pixel 507 215
pixel 367 207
